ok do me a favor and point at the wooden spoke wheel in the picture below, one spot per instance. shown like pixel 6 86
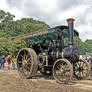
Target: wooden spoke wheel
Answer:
pixel 27 62
pixel 62 71
pixel 81 69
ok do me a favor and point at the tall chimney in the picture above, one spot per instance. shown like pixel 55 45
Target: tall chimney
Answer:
pixel 70 31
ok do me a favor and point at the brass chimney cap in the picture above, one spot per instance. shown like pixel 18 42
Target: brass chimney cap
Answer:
pixel 70 20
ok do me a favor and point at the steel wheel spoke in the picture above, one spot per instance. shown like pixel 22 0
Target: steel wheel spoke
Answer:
pixel 22 57
pixel 29 63
pixel 20 62
pixel 27 56
pixel 58 67
pixel 28 68
pixel 24 54
pixel 28 59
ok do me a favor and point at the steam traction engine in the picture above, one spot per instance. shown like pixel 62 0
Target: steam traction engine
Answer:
pixel 48 54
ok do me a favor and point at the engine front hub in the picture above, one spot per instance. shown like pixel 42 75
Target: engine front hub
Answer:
pixel 24 63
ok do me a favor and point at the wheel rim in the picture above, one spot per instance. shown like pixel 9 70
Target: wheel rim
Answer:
pixel 81 69
pixel 62 71
pixel 24 63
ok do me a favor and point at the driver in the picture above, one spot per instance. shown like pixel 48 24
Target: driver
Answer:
pixel 39 48
pixel 59 41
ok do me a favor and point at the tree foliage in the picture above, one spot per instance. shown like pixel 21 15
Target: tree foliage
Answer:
pixel 10 28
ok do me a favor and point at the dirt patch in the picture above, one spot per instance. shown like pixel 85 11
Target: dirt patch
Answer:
pixel 11 82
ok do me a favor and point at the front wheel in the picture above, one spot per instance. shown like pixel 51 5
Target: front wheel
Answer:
pixel 27 63
pixel 62 71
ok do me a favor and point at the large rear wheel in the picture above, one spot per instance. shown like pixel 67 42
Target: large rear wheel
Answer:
pixel 62 71
pixel 27 63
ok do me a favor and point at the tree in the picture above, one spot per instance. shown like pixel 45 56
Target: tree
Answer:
pixel 10 28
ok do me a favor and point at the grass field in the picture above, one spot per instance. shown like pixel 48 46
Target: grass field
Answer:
pixel 15 59
pixel 1 76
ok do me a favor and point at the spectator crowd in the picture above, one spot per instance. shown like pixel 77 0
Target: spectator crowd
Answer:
pixel 7 60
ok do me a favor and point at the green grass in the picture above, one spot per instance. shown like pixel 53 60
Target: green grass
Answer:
pixel 1 76
pixel 15 59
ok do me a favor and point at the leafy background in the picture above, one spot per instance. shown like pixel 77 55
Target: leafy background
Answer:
pixel 10 28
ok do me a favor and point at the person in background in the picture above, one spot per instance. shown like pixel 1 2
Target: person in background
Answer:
pixel 0 62
pixel 3 62
pixel 13 65
pixel 9 60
